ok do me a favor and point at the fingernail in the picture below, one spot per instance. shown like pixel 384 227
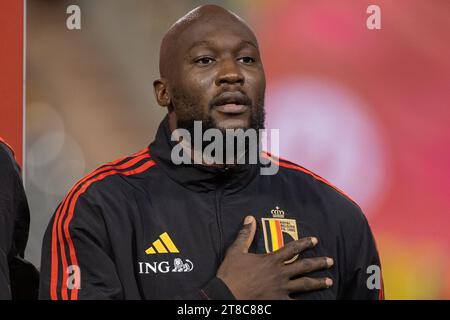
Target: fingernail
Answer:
pixel 329 282
pixel 330 262
pixel 248 220
pixel 314 241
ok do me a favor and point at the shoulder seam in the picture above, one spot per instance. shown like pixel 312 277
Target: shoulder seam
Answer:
pixel 11 155
pixel 291 165
pixel 7 144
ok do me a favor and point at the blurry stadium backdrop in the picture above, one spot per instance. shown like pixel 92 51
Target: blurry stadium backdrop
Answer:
pixel 366 109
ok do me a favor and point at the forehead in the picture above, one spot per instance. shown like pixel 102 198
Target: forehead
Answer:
pixel 215 32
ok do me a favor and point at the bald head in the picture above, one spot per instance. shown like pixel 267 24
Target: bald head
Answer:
pixel 211 71
pixel 203 17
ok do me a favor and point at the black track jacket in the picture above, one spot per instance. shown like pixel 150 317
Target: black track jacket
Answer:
pixel 144 228
pixel 18 278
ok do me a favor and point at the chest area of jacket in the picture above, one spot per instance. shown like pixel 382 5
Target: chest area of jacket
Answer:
pixel 181 241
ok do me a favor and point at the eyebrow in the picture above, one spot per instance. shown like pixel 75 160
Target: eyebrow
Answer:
pixel 210 43
pixel 249 43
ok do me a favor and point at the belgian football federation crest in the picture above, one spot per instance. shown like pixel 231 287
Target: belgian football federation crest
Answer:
pixel 278 231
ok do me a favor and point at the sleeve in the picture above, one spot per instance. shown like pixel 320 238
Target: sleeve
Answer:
pixel 363 278
pixel 14 222
pixel 5 290
pixel 5 235
pixel 215 289
pixel 76 258
pixel 6 224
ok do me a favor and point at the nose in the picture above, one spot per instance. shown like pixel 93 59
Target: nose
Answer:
pixel 229 73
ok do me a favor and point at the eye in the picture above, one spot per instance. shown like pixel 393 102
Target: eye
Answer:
pixel 247 60
pixel 204 61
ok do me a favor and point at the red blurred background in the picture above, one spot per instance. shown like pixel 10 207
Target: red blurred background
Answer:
pixel 11 79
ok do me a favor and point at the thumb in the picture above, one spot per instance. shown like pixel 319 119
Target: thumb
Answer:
pixel 245 237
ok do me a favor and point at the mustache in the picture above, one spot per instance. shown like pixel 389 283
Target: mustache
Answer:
pixel 231 97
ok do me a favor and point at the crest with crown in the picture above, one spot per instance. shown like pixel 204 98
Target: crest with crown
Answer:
pixel 277 212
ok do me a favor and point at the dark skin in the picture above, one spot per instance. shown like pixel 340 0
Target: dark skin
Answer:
pixel 211 70
pixel 204 65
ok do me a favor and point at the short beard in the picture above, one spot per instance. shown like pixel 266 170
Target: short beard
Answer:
pixel 188 111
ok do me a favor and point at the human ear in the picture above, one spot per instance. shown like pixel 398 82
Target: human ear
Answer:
pixel 162 92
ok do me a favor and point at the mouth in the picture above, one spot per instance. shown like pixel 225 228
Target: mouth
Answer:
pixel 232 108
pixel 232 103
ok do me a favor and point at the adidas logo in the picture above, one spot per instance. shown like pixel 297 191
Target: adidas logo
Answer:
pixel 163 245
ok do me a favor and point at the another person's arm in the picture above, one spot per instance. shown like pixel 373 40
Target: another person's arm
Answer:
pixel 14 222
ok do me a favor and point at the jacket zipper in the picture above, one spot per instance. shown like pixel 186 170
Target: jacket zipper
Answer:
pixel 219 221
pixel 218 195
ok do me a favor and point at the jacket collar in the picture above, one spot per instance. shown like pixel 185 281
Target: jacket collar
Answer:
pixel 197 177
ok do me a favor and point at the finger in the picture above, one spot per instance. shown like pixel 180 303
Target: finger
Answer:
pixel 306 284
pixel 308 265
pixel 295 247
pixel 245 237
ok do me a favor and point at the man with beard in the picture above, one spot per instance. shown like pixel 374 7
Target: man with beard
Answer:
pixel 143 227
